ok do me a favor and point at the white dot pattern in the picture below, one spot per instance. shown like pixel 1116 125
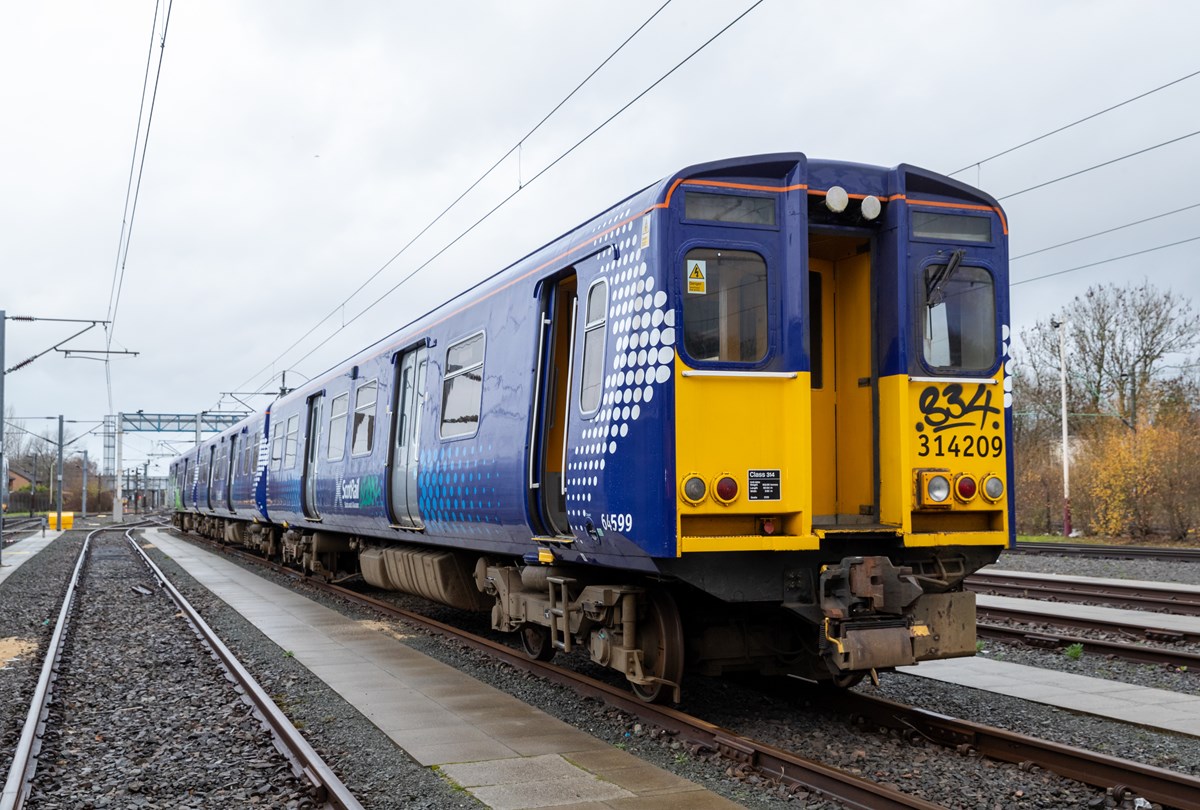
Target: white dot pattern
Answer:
pixel 642 348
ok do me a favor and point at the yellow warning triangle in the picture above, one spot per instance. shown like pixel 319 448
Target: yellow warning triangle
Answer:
pixel 696 272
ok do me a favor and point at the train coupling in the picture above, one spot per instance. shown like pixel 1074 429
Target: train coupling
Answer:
pixel 877 616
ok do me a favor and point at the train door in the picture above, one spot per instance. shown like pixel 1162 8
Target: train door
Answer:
pixel 209 472
pixel 843 419
pixel 233 467
pixel 405 448
pixel 551 412
pixel 312 437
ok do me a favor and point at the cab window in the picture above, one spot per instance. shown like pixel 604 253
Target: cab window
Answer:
pixel 958 318
pixel 724 305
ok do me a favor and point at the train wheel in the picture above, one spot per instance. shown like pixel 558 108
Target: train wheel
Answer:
pixel 535 641
pixel 661 640
pixel 847 680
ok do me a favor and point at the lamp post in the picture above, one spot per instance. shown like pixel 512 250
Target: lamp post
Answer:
pixel 1061 328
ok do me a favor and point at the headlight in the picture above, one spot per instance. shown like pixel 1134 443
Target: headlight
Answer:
pixel 938 488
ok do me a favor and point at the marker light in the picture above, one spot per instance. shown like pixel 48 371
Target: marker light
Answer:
pixel 836 199
pixel 871 207
pixel 726 489
pixel 694 489
pixel 965 488
pixel 993 488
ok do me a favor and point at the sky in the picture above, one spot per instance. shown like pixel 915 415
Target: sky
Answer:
pixel 295 149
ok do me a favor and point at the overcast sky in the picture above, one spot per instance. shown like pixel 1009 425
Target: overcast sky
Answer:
pixel 296 147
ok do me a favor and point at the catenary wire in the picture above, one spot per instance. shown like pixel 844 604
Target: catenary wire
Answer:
pixel 515 147
pixel 114 296
pixel 545 169
pixel 1103 261
pixel 1075 123
pixel 1105 232
pixel 1101 165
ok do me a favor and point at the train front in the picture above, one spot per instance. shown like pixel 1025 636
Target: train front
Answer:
pixel 842 411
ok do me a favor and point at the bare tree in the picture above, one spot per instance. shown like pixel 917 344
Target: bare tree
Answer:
pixel 1118 340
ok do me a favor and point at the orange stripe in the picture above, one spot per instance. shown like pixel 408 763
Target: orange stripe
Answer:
pixel 666 204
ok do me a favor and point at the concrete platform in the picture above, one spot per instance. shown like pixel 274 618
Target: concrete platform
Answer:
pixel 1163 621
pixel 506 753
pixel 1155 708
pixel 15 556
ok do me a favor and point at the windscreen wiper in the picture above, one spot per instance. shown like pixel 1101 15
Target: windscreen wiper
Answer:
pixel 935 284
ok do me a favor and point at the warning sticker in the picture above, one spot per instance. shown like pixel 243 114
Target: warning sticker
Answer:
pixel 763 485
pixel 646 231
pixel 697 277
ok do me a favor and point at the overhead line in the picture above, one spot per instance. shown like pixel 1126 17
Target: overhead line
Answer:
pixel 1102 261
pixel 545 169
pixel 1104 232
pixel 1075 123
pixel 1101 165
pixel 468 190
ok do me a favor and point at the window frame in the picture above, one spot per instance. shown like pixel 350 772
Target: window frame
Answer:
pixel 291 440
pixel 588 327
pixel 334 416
pixel 763 252
pixel 447 378
pixel 921 312
pixel 371 418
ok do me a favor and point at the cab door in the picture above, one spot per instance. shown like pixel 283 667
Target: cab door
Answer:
pixel 404 452
pixel 843 418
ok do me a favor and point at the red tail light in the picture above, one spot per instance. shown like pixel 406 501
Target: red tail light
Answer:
pixel 726 489
pixel 965 488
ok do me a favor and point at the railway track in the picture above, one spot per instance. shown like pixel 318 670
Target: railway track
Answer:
pixel 1183 600
pixel 1032 623
pixel 1121 777
pixel 1109 552
pixel 71 639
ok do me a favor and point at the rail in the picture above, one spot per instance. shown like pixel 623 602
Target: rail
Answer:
pixel 327 787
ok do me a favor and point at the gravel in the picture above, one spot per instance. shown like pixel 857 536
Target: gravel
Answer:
pixel 384 777
pixel 141 715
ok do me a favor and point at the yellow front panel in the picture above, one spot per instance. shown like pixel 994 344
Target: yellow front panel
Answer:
pixel 895 464
pixel 732 424
pixel 952 426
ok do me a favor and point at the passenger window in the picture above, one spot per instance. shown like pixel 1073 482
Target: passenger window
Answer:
pixel 725 306
pixel 289 441
pixel 364 419
pixel 462 389
pixel 958 324
pixel 594 338
pixel 276 434
pixel 337 427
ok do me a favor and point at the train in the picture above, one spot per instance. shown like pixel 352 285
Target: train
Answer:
pixel 754 417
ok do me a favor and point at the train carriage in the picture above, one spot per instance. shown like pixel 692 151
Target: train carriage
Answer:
pixel 755 416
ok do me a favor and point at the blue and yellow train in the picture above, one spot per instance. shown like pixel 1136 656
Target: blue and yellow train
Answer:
pixel 754 416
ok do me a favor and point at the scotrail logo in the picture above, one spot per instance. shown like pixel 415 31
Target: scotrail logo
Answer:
pixel 359 492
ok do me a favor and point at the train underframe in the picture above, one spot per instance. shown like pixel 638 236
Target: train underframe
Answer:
pixel 822 616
